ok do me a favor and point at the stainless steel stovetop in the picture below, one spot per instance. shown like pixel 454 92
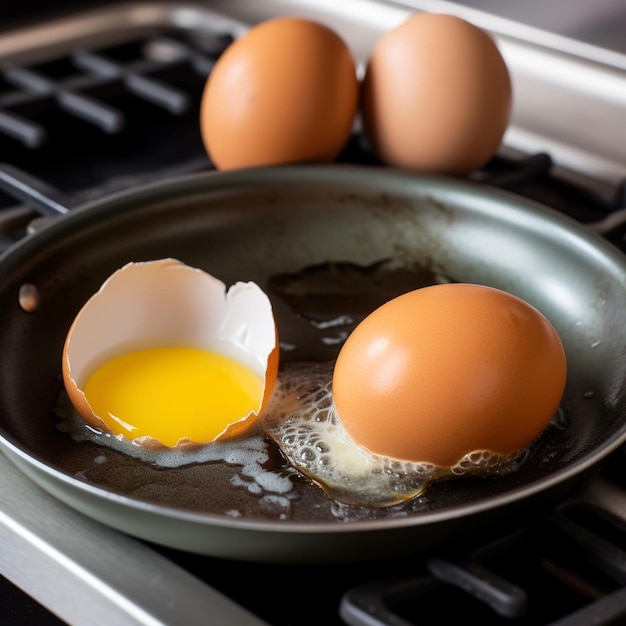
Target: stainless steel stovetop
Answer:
pixel 571 61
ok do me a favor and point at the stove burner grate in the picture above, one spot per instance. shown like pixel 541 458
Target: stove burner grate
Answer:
pixel 95 121
pixel 567 569
pixel 80 84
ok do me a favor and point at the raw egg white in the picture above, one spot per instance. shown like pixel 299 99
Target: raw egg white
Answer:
pixel 164 355
pixel 442 381
pixel 285 92
pixel 436 95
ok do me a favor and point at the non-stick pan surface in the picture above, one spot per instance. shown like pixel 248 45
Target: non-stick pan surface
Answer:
pixel 270 225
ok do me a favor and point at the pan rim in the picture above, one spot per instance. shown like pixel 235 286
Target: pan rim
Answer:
pixel 333 174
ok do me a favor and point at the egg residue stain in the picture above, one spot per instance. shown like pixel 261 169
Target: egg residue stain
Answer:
pixel 172 393
pixel 249 453
pixel 303 422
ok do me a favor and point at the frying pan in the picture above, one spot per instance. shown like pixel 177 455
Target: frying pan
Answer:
pixel 267 222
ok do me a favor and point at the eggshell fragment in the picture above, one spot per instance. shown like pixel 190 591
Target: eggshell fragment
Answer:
pixel 448 370
pixel 167 303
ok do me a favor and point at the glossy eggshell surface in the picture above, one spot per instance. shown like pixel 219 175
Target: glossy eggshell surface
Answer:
pixel 436 95
pixel 443 371
pixel 285 92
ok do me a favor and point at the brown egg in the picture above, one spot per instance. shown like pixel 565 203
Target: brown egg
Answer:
pixel 448 370
pixel 285 92
pixel 436 95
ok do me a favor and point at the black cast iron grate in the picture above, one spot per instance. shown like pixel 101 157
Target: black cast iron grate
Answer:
pixel 569 569
pixel 84 84
pixel 91 115
pixel 565 567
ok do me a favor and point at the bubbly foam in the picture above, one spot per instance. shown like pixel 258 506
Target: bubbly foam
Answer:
pixel 249 454
pixel 303 422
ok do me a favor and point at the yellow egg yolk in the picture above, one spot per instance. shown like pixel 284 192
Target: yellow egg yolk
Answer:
pixel 172 393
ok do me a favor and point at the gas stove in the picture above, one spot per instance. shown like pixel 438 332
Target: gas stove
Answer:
pixel 102 99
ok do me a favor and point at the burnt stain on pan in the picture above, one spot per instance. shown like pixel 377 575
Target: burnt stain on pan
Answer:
pixel 332 298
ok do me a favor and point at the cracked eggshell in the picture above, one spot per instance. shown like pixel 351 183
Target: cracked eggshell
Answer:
pixel 167 303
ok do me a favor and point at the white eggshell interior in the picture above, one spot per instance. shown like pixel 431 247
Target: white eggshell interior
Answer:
pixel 167 303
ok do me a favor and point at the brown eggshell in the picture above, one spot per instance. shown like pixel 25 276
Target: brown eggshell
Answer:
pixel 447 370
pixel 436 95
pixel 285 92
